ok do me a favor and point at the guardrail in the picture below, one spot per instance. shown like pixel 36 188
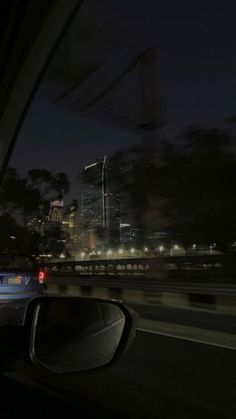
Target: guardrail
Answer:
pixel 223 266
pixel 107 267
pixel 217 297
pixel 201 281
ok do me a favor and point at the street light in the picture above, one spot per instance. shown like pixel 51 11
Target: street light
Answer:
pixel 161 248
pixel 109 252
pixel 176 247
pixel 146 249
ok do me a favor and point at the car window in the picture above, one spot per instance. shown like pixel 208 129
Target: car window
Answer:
pixel 126 154
pixel 122 183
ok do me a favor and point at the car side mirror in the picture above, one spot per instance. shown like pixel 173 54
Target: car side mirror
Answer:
pixel 77 334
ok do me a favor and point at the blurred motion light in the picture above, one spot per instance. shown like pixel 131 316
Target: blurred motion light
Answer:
pixel 41 277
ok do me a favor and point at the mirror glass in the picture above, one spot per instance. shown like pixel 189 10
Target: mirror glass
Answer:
pixel 76 335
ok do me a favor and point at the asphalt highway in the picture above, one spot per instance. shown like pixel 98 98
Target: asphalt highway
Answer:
pixel 182 364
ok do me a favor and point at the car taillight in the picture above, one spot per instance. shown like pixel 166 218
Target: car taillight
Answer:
pixel 41 276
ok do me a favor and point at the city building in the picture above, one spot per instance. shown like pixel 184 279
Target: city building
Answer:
pixel 100 207
pixel 56 212
pixel 70 231
pixel 125 233
pixel 36 224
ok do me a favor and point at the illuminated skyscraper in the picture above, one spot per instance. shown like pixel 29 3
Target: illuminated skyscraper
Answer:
pixel 56 212
pixel 70 230
pixel 100 206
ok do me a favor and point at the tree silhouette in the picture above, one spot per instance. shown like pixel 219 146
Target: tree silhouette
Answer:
pixel 24 197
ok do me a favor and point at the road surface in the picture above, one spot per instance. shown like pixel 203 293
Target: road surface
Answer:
pixel 161 376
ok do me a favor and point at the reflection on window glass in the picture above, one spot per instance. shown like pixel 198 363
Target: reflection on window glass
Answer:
pixel 130 139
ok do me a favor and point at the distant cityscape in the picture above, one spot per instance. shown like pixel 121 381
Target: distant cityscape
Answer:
pixel 96 228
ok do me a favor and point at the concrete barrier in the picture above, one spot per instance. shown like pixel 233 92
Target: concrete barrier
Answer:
pixel 221 303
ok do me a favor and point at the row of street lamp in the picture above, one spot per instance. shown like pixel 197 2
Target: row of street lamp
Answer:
pixel 138 252
pixel 121 252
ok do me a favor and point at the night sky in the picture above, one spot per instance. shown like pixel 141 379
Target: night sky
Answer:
pixel 196 81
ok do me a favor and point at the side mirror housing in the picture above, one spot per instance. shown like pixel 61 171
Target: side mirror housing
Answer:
pixel 72 334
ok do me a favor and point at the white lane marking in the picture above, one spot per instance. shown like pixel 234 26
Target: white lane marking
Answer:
pixel 201 338
pixel 188 339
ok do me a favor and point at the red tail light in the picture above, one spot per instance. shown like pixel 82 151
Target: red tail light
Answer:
pixel 41 276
